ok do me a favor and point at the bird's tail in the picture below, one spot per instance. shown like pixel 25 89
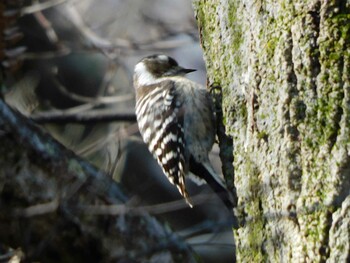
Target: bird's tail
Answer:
pixel 204 171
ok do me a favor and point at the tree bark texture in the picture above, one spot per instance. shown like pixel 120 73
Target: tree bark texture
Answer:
pixel 284 70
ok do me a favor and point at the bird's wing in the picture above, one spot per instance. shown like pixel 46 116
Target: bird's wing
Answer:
pixel 163 132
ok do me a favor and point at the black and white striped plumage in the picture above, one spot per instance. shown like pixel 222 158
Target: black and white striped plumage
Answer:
pixel 176 120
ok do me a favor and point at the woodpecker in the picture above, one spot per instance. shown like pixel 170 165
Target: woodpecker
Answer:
pixel 176 120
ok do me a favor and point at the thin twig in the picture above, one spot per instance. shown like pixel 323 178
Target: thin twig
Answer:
pixel 94 100
pixel 33 8
pixel 117 136
pixel 151 209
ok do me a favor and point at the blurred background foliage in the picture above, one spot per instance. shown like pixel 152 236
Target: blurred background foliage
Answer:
pixel 75 58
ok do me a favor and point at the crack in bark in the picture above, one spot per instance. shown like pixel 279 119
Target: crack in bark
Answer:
pixel 225 143
pixel 324 249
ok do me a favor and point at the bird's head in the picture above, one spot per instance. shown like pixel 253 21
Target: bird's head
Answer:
pixel 151 69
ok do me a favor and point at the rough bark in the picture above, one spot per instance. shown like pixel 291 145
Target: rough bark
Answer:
pixel 284 69
pixel 56 207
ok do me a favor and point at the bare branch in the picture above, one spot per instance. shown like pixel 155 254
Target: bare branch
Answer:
pixel 39 209
pixel 43 185
pixel 151 209
pixel 92 116
pixel 93 100
pixel 33 8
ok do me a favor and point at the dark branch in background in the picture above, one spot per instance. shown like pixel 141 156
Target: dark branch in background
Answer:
pixel 85 113
pixel 92 116
pixel 125 46
pixel 42 189
pixel 92 100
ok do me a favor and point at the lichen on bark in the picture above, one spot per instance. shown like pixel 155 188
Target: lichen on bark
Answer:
pixel 284 71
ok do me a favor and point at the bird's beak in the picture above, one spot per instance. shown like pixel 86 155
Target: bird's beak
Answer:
pixel 186 70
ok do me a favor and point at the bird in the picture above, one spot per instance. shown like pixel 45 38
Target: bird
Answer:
pixel 176 119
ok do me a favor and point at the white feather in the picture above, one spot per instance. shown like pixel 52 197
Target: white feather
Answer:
pixel 144 77
pixel 197 180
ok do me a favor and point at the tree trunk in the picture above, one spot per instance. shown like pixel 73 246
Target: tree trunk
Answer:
pixel 284 70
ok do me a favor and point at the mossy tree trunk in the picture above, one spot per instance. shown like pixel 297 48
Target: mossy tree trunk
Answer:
pixel 284 70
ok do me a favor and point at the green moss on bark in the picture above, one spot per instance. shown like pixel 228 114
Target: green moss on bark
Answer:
pixel 284 69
